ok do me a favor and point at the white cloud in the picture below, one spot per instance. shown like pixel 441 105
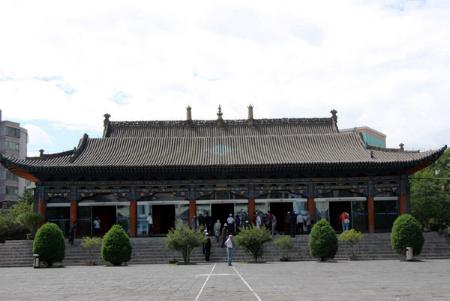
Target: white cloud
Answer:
pixel 383 64
pixel 37 136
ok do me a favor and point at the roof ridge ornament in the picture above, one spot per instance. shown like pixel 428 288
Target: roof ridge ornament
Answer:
pixel 250 115
pixel 219 117
pixel 41 153
pixel 402 147
pixel 188 113
pixel 106 121
pixel 334 115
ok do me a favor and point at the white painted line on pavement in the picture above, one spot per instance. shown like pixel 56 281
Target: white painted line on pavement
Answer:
pixel 249 287
pixel 203 286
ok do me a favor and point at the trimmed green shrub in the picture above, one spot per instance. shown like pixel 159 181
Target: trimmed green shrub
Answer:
pixel 323 243
pixel 49 244
pixel 184 239
pixel 92 244
pixel 352 238
pixel 252 240
pixel 285 243
pixel 116 247
pixel 407 232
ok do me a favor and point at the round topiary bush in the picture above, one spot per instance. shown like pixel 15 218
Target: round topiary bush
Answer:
pixel 49 244
pixel 407 232
pixel 116 247
pixel 323 242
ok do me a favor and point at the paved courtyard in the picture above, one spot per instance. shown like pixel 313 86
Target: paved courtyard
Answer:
pixel 356 280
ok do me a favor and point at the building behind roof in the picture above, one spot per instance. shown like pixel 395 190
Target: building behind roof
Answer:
pixel 198 171
pixel 370 136
pixel 13 143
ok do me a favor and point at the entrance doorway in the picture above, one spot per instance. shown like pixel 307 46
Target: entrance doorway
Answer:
pixel 107 216
pixel 336 208
pixel 163 218
pixel 280 210
pixel 221 212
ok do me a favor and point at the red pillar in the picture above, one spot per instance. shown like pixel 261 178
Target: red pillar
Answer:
pixel 403 203
pixel 42 205
pixel 371 214
pixel 73 211
pixel 192 210
pixel 251 209
pixel 311 205
pixel 133 218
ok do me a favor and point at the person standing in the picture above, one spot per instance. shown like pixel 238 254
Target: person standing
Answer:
pixel 230 222
pixel 207 246
pixel 274 224
pixel 194 223
pixel 345 220
pixel 97 226
pixel 229 244
pixel 292 221
pixel 72 232
pixel 150 224
pixel 308 222
pixel 217 227
pixel 300 223
pixel 258 220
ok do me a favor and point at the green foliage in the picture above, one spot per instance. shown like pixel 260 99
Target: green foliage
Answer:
pixel 323 243
pixel 285 243
pixel 116 247
pixel 29 220
pixel 19 220
pixel 92 244
pixel 252 240
pixel 407 232
pixel 352 238
pixel 430 194
pixel 49 244
pixel 184 239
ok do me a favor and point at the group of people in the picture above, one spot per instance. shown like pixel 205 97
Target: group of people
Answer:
pixel 228 243
pixel 299 223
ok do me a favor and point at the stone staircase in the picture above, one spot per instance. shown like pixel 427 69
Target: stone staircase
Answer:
pixel 153 250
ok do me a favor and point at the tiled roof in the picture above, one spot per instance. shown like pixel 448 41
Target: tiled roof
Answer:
pixel 210 128
pixel 299 150
pixel 271 147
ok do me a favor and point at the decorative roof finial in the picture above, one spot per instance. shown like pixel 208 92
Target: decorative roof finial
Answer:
pixel 334 115
pixel 41 153
pixel 219 113
pixel 188 113
pixel 402 146
pixel 106 121
pixel 250 112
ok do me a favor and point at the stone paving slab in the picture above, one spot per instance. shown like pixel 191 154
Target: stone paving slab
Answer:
pixel 346 281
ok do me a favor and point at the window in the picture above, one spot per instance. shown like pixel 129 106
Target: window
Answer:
pixel 10 176
pixel 11 190
pixel 12 146
pixel 12 132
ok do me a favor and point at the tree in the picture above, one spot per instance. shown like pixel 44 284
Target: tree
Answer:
pixel 92 244
pixel 252 240
pixel 285 243
pixel 352 238
pixel 407 232
pixel 323 243
pixel 116 247
pixel 430 195
pixel 49 244
pixel 184 239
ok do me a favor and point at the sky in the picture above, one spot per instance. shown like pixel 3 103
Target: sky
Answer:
pixel 383 64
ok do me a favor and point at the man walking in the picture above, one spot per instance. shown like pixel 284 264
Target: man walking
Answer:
pixel 150 224
pixel 229 245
